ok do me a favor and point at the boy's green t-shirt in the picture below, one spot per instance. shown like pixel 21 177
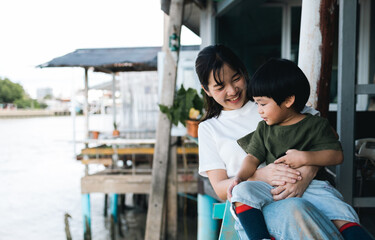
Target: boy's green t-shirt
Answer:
pixel 268 143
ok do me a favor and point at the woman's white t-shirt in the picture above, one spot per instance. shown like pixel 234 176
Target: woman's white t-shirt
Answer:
pixel 217 138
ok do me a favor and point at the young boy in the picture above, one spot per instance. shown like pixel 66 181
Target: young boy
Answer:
pixel 281 90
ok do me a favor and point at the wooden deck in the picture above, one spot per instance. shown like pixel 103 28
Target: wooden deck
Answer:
pixel 136 178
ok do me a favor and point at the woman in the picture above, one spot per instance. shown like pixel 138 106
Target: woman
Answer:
pixel 229 116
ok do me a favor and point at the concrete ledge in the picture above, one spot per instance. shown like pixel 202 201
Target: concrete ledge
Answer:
pixel 25 113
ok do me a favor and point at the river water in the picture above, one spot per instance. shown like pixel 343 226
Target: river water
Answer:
pixel 40 179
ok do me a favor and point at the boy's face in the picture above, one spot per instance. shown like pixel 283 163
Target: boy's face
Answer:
pixel 231 93
pixel 271 112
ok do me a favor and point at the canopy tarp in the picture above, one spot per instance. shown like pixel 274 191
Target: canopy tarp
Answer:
pixel 109 59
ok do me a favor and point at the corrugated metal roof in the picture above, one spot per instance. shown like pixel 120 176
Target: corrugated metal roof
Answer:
pixel 111 59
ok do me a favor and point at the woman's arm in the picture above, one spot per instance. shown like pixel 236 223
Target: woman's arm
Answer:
pixel 294 181
pixel 247 170
pixel 329 157
pixel 272 174
pixel 220 182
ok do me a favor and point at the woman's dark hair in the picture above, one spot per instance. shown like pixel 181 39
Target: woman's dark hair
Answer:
pixel 212 59
pixel 279 79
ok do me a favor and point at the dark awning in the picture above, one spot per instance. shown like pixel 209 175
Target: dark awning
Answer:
pixel 109 59
pixel 112 59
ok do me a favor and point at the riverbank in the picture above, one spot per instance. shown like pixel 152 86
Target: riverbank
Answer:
pixel 25 113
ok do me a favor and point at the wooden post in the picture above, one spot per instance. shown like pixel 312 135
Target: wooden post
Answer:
pixel 162 146
pixel 328 13
pixel 316 49
pixel 172 192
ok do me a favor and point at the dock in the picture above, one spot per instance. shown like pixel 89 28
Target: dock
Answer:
pixel 129 169
pixel 24 113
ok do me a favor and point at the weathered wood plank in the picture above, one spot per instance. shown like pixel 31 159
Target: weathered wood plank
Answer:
pixel 172 216
pixel 132 183
pixel 104 161
pixel 162 146
pixel 129 150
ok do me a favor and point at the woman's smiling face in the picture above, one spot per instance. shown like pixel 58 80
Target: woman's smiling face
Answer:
pixel 230 93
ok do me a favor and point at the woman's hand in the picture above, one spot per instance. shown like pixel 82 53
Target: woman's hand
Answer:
pixel 235 181
pixel 298 188
pixel 293 158
pixel 276 174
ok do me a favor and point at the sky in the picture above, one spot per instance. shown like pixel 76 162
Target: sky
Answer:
pixel 36 31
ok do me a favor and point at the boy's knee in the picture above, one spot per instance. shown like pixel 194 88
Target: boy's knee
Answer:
pixel 296 203
pixel 253 192
pixel 245 187
pixel 291 206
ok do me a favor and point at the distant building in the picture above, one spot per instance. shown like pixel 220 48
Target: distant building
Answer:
pixel 41 93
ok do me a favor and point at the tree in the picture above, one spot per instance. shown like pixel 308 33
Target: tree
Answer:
pixel 10 92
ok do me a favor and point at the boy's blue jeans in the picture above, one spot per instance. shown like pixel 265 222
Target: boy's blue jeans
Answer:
pixel 296 218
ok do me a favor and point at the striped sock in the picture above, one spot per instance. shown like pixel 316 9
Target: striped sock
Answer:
pixel 252 220
pixel 353 230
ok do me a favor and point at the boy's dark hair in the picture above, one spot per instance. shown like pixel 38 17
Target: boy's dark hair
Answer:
pixel 279 79
pixel 212 59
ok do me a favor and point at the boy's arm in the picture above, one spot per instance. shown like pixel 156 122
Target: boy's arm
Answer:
pixel 296 159
pixel 248 168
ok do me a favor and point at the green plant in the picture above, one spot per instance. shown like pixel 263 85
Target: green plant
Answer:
pixel 184 101
pixel 115 125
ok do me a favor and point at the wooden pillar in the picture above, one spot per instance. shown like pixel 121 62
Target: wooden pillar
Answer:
pixel 162 147
pixel 316 49
pixel 328 14
pixel 172 192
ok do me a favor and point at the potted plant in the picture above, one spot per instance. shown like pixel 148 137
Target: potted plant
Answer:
pixel 94 134
pixel 115 132
pixel 187 109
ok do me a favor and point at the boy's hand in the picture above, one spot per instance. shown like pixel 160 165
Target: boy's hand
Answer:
pixel 293 158
pixel 235 181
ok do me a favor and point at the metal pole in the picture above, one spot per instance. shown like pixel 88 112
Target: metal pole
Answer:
pixel 86 104
pixel 86 216
pixel 346 95
pixel 114 97
pixel 286 38
pixel 208 228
